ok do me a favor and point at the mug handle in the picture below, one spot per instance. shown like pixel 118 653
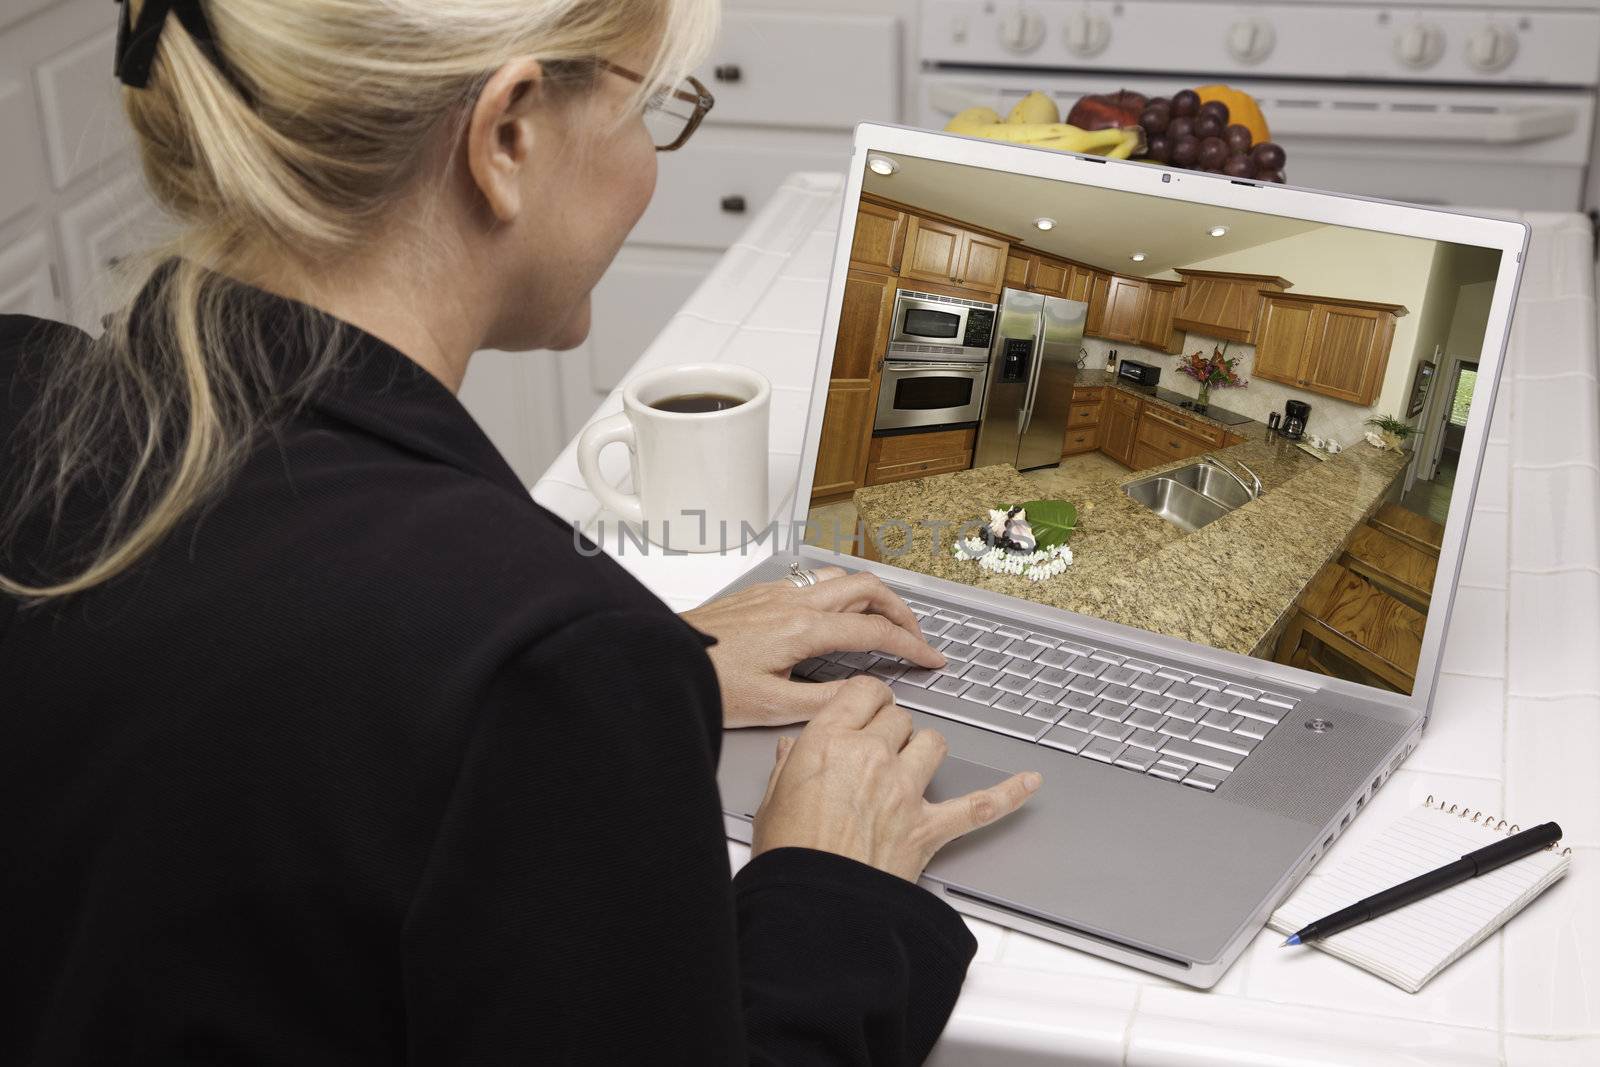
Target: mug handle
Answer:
pixel 595 437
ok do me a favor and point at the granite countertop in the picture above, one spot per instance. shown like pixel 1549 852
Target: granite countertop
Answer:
pixel 1086 378
pixel 1132 567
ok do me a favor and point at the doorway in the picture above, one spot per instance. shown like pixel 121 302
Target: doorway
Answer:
pixel 1430 494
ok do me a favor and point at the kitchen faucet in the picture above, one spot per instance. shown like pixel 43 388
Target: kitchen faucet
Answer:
pixel 1253 487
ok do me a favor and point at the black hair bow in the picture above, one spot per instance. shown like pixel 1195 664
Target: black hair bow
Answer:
pixel 136 42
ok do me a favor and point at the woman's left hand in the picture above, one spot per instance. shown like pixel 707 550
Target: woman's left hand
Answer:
pixel 763 631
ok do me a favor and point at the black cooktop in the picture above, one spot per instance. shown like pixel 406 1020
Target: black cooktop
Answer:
pixel 1211 411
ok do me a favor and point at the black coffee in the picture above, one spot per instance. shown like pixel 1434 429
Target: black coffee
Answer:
pixel 697 403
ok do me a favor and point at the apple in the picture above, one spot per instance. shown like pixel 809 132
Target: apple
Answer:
pixel 1100 111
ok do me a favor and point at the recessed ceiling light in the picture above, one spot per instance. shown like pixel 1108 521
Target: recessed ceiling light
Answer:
pixel 1137 257
pixel 1045 224
pixel 881 165
pixel 1217 231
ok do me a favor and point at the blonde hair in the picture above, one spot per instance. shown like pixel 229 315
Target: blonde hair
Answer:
pixel 342 95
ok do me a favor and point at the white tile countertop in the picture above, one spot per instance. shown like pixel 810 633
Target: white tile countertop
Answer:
pixel 1515 730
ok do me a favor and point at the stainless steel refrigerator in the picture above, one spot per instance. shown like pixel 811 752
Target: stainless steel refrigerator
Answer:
pixel 1031 364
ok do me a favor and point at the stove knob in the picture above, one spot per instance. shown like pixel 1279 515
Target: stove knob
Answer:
pixel 1419 45
pixel 1251 40
pixel 1087 33
pixel 1021 30
pixel 1491 47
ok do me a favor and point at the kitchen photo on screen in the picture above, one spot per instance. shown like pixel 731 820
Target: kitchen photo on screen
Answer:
pixel 1223 426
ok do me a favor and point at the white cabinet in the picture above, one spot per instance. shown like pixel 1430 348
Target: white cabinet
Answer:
pixel 79 101
pixel 112 222
pixel 21 171
pixel 26 287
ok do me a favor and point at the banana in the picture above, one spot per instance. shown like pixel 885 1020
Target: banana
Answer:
pixel 1058 135
pixel 972 117
pixel 1132 141
pixel 1035 107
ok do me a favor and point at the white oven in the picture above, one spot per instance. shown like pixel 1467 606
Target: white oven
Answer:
pixel 1430 102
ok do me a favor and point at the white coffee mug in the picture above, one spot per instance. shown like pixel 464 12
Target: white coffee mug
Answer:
pixel 699 478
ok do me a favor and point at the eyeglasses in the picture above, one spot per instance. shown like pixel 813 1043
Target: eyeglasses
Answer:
pixel 670 116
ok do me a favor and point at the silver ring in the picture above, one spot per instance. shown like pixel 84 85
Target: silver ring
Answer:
pixel 799 577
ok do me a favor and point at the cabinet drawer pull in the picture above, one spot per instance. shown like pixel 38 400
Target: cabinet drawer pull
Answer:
pixel 728 72
pixel 733 205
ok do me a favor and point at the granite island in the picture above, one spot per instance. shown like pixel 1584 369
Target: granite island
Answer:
pixel 1230 584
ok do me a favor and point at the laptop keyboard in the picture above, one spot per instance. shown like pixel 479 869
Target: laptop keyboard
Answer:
pixel 1140 715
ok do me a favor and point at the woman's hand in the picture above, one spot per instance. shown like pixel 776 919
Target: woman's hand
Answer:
pixel 853 782
pixel 763 631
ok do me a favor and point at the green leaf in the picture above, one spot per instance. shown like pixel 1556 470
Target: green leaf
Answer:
pixel 1052 521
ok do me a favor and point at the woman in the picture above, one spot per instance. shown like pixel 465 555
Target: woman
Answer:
pixel 323 743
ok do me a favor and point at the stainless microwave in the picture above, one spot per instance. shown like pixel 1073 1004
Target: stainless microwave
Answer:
pixel 948 327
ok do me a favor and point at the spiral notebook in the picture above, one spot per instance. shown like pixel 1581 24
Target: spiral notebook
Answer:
pixel 1409 946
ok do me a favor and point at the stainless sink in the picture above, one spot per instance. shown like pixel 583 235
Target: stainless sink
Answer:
pixel 1209 481
pixel 1177 503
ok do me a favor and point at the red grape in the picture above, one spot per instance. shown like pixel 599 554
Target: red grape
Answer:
pixel 1161 102
pixel 1185 150
pixel 1212 153
pixel 1207 126
pixel 1267 156
pixel 1158 147
pixel 1181 126
pixel 1238 137
pixel 1217 109
pixel 1238 166
pixel 1185 102
pixel 1154 120
pixel 1269 176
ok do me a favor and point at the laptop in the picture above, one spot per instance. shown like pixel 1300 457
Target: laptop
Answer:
pixel 1211 700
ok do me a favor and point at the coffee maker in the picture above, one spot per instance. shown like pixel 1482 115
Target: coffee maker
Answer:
pixel 1295 413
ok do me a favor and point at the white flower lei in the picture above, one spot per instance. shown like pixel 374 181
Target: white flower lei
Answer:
pixel 1035 566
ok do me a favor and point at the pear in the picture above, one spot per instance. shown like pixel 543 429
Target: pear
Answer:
pixel 971 118
pixel 1035 107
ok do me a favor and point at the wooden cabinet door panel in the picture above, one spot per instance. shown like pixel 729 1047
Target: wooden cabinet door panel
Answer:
pixel 1124 310
pixel 1145 456
pixel 1099 293
pixel 1080 284
pixel 933 251
pixel 853 383
pixel 880 237
pixel 1341 355
pixel 842 454
pixel 1117 432
pixel 1281 342
pixel 1019 270
pixel 1156 325
pixel 983 263
pixel 1051 277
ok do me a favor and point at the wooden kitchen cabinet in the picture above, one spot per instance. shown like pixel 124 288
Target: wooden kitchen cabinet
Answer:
pixel 864 321
pixel 880 238
pixel 1223 304
pixel 895 457
pixel 1051 276
pixel 1124 314
pixel 1169 435
pixel 1019 269
pixel 1099 293
pixel 1080 286
pixel 1119 425
pixel 1084 416
pixel 983 263
pixel 1339 348
pixel 1155 326
pixel 940 252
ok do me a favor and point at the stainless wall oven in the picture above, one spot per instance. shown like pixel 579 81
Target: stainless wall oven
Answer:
pixel 917 394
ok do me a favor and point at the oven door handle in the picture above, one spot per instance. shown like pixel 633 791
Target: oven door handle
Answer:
pixel 1512 126
pixel 961 367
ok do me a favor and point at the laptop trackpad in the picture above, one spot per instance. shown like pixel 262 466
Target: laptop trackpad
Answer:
pixel 958 777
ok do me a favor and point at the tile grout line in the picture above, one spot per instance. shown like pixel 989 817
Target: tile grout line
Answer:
pixel 1127 1031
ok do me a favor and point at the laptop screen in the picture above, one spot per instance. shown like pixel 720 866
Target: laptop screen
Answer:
pixel 1229 427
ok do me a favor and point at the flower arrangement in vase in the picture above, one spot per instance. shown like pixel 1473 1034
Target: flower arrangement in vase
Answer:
pixel 1215 370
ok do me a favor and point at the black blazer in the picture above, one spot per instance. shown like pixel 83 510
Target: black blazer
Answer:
pixel 369 763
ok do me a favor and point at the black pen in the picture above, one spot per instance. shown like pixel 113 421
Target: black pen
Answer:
pixel 1471 865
